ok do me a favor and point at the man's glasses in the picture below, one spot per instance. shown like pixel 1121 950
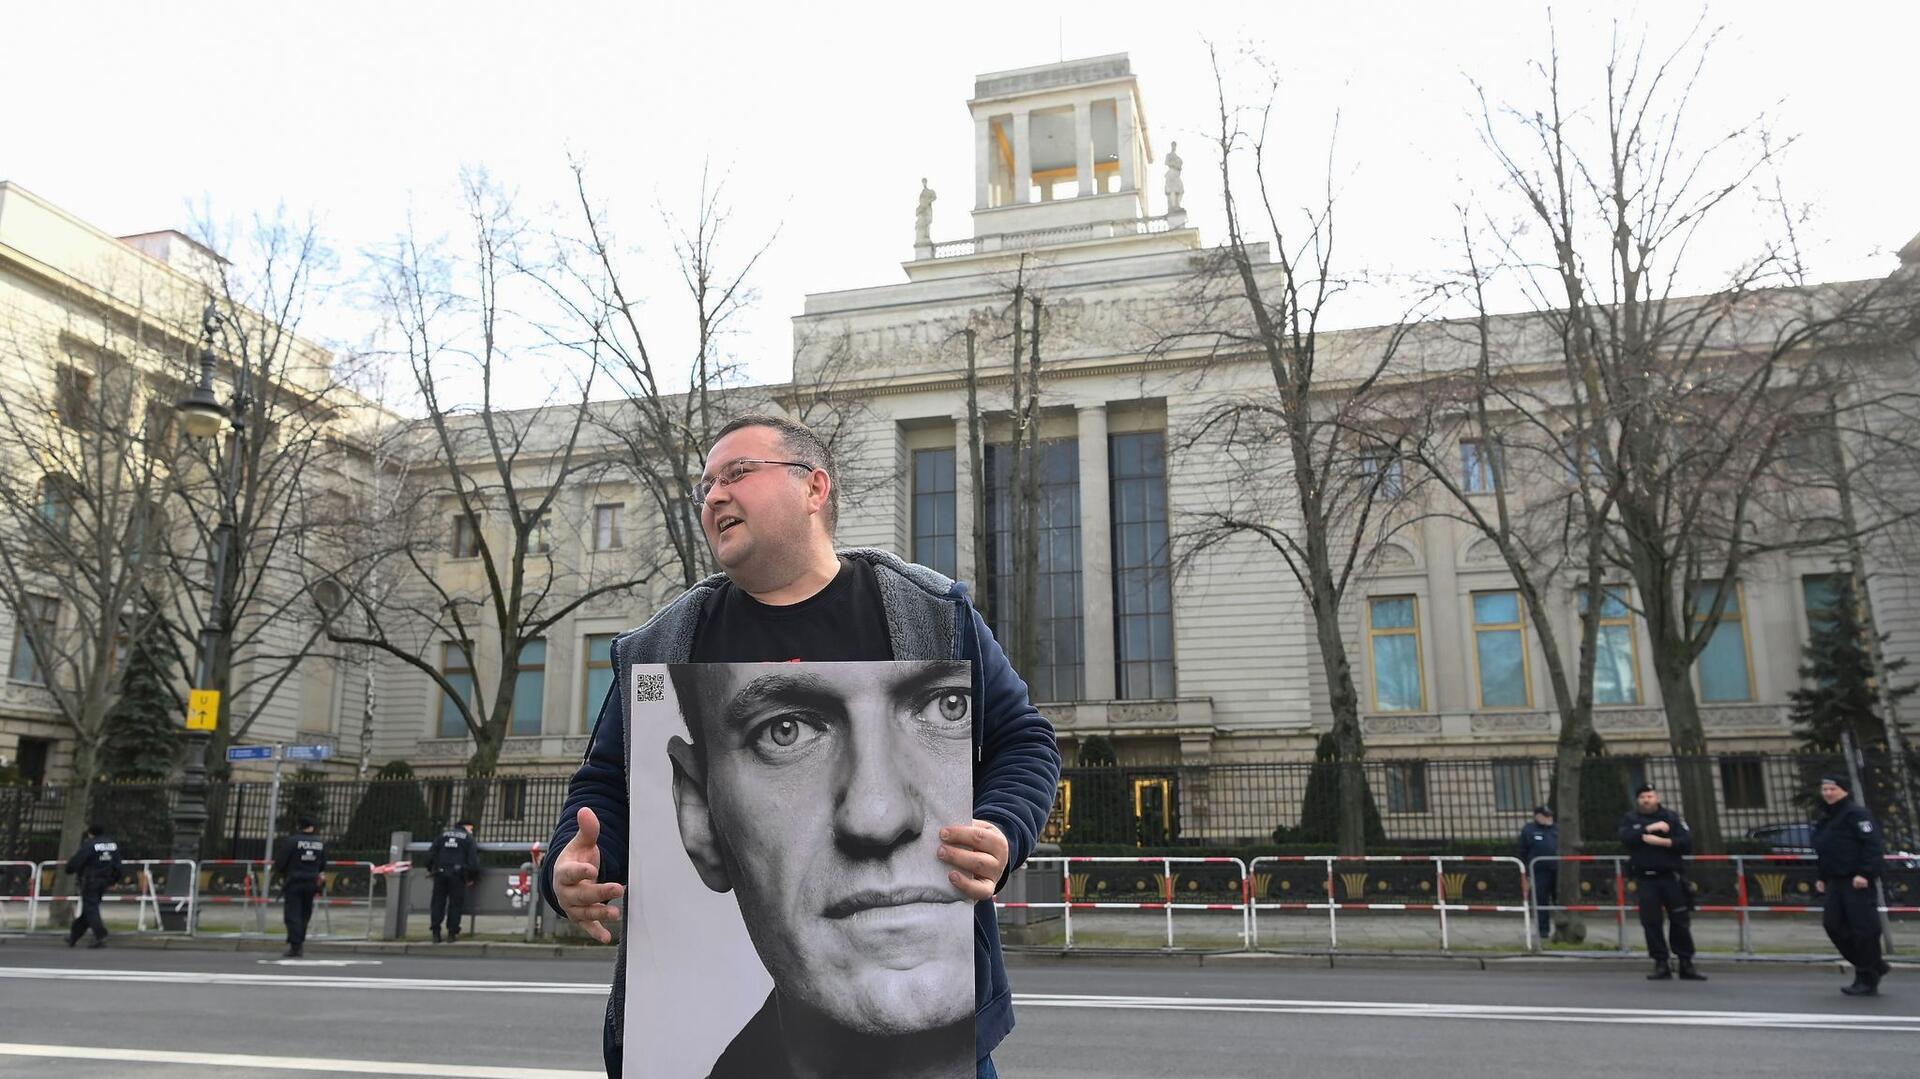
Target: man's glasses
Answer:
pixel 735 471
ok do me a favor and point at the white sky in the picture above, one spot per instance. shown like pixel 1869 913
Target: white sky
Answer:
pixel 826 116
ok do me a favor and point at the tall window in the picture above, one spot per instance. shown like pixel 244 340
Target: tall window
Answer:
pixel 1743 782
pixel 1615 666
pixel 1822 593
pixel 75 388
pixel 606 526
pixel 530 689
pixel 1406 786
pixel 457 666
pixel 540 536
pixel 599 652
pixel 1393 630
pixel 466 536
pixel 44 613
pixel 1479 473
pixel 1056 669
pixel 56 502
pixel 934 530
pixel 1513 788
pixel 1722 667
pixel 1500 646
pixel 1384 473
pixel 1142 581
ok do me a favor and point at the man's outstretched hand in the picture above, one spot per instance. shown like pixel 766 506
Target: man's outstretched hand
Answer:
pixel 576 881
pixel 978 854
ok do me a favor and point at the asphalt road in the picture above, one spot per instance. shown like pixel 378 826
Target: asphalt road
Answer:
pixel 219 1014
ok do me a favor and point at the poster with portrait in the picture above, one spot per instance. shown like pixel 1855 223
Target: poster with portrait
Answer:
pixel 785 900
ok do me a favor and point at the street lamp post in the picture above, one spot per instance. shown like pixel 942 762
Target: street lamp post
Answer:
pixel 202 416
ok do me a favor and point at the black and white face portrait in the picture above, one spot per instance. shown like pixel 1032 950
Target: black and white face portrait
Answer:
pixel 809 798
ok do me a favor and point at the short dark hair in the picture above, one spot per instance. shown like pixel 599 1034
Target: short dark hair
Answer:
pixel 802 443
pixel 96 829
pixel 308 824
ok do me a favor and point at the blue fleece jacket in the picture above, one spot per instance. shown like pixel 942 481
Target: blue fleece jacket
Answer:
pixel 1016 769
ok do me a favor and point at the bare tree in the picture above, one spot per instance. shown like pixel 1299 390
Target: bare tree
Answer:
pixel 86 442
pixel 1694 390
pixel 270 487
pixel 486 480
pixel 1300 453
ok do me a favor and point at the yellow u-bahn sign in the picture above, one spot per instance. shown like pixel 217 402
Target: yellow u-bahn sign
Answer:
pixel 203 709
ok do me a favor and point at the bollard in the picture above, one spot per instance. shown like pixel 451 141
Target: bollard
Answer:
pixel 396 923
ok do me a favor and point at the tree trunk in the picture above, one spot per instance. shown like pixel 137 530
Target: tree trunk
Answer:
pixel 1569 771
pixel 1349 746
pixel 1689 741
pixel 76 811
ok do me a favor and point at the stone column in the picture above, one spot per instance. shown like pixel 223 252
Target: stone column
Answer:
pixel 1096 557
pixel 1083 146
pixel 965 558
pixel 1022 158
pixel 1129 169
pixel 983 154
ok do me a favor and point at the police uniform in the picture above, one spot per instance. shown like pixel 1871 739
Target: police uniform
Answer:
pixel 1541 841
pixel 454 861
pixel 97 864
pixel 301 860
pixel 1848 844
pixel 1659 873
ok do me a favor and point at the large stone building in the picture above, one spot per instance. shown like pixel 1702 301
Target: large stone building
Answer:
pixel 1215 663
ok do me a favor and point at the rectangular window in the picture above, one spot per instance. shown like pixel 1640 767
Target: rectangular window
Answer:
pixel 74 388
pixel 1478 472
pixel 1500 648
pixel 1743 783
pixel 1393 630
pixel 1725 674
pixel 513 800
pixel 606 526
pixel 1384 474
pixel 456 663
pixel 1822 592
pixel 599 652
pixel 1616 664
pixel 1406 786
pixel 1513 789
pixel 540 536
pixel 25 665
pixel 1056 577
pixel 1142 570
pixel 466 536
pixel 934 530
pixel 529 689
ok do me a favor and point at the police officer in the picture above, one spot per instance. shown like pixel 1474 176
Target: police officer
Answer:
pixel 301 860
pixel 1850 849
pixel 454 862
pixel 97 864
pixel 1657 841
pixel 1540 838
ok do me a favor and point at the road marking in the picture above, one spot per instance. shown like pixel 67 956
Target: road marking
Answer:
pixel 318 962
pixel 297 1064
pixel 1899 1024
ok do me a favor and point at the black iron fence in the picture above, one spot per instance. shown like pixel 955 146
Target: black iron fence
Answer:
pixel 1429 802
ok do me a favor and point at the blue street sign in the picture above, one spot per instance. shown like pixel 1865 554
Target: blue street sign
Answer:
pixel 249 753
pixel 309 753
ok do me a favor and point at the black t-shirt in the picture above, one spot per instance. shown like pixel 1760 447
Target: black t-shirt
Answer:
pixel 844 622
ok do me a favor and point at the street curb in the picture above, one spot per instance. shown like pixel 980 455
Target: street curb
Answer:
pixel 478 949
pixel 1390 961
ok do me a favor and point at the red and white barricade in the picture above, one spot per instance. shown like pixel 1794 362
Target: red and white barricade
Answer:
pixel 19 883
pixel 138 884
pixel 1457 884
pixel 1160 891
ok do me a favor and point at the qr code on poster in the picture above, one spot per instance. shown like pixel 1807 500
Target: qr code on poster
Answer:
pixel 650 687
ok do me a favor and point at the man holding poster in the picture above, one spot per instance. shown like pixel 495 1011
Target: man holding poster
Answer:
pixel 767 506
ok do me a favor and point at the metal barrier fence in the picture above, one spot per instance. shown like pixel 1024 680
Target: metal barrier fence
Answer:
pixel 17 885
pixel 1162 891
pixel 251 887
pixel 1444 893
pixel 1727 884
pixel 1415 800
pixel 148 889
